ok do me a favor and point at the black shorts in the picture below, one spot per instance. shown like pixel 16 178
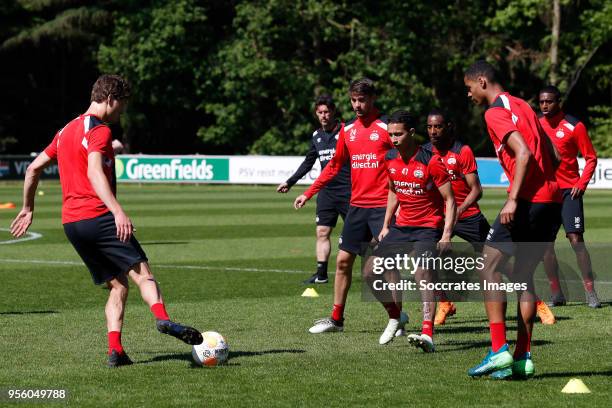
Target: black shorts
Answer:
pixel 404 240
pixel 474 230
pixel 330 204
pixel 533 222
pixel 572 214
pixel 97 244
pixel 360 226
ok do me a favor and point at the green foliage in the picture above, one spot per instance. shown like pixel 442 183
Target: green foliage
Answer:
pixel 601 133
pixel 241 77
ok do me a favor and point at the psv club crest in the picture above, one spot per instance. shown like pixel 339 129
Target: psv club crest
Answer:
pixel 452 160
pixel 418 173
pixel 560 134
pixel 374 136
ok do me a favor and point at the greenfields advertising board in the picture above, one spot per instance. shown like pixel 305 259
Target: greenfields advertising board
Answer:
pixel 172 169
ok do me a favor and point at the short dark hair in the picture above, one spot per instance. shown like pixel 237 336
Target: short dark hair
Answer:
pixel 551 89
pixel 326 100
pixel 440 112
pixel 363 86
pixel 113 85
pixel 404 117
pixel 481 68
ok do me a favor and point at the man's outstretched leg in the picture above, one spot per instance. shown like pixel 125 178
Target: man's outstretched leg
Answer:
pixel 499 356
pixel 342 284
pixel 391 300
pixel 149 290
pixel 115 307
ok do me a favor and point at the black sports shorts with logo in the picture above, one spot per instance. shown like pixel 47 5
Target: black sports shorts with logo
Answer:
pixel 97 244
pixel 572 214
pixel 330 205
pixel 360 226
pixel 473 229
pixel 533 222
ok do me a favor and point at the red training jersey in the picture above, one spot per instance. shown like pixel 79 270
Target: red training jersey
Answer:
pixel 71 147
pixel 364 142
pixel 570 137
pixel 510 114
pixel 459 160
pixel 416 183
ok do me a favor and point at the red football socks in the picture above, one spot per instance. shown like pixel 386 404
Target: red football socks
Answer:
pixel 159 311
pixel 338 312
pixel 427 329
pixel 523 344
pixel 498 335
pixel 114 342
pixel 392 310
pixel 555 286
pixel 588 284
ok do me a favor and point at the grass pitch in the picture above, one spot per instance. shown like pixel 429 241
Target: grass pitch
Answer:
pixel 231 259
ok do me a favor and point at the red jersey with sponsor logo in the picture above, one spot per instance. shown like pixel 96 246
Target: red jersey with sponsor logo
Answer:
pixel 570 137
pixel 459 160
pixel 363 142
pixel 509 114
pixel 71 147
pixel 416 185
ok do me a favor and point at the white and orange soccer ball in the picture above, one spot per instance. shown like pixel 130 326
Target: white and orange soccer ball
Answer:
pixel 212 352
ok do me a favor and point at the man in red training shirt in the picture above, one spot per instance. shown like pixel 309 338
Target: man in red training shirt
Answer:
pixel 420 187
pixel 460 163
pixel 363 142
pixel 528 215
pixel 570 138
pixel 94 221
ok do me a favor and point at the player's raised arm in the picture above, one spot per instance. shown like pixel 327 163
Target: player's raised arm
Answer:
pixel 332 169
pixel 305 167
pixel 329 172
pixel 23 220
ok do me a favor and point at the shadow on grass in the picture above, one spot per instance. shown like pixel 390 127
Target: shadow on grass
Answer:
pixel 583 304
pixel 164 242
pixel 232 355
pixel 606 373
pixel 29 312
pixel 467 345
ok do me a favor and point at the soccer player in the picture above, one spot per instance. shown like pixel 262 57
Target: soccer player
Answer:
pixel 570 137
pixel 94 221
pixel 528 215
pixel 363 142
pixel 333 199
pixel 460 164
pixel 420 186
pixel 472 226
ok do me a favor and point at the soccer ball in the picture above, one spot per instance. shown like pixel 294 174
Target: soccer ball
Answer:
pixel 212 352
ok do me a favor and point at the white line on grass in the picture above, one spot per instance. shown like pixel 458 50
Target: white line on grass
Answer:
pixel 215 268
pixel 29 237
pixel 192 267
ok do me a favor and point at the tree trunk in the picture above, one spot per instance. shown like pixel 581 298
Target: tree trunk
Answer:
pixel 554 43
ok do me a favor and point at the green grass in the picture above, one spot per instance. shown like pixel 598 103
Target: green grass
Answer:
pixel 52 330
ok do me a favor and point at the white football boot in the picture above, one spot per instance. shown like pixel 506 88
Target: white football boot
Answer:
pixel 422 341
pixel 326 325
